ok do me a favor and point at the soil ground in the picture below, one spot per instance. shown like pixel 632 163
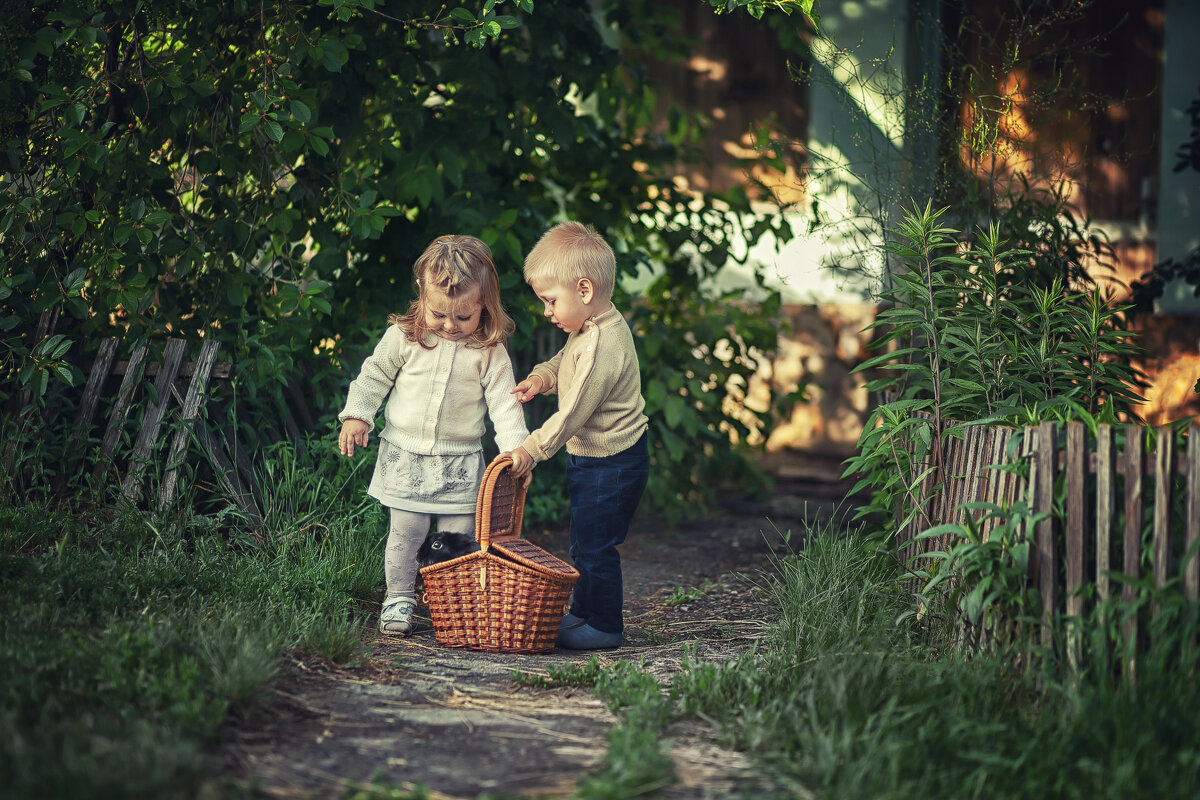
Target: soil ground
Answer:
pixel 413 713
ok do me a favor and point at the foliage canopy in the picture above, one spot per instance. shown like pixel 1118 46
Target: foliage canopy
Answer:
pixel 266 174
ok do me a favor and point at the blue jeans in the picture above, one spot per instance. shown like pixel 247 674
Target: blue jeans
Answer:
pixel 604 493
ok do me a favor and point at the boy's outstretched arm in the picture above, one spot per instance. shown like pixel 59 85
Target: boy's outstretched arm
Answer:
pixel 354 432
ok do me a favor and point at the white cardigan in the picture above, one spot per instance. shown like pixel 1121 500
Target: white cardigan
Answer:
pixel 438 397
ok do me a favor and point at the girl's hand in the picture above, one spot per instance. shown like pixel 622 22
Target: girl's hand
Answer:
pixel 526 390
pixel 354 432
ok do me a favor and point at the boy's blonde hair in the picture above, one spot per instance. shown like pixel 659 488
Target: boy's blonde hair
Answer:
pixel 456 265
pixel 570 251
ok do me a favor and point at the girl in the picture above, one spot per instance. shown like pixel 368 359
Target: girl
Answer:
pixel 444 364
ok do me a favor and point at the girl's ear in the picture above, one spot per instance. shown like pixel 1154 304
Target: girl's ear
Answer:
pixel 586 292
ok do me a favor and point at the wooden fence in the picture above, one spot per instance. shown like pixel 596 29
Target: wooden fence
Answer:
pixel 164 425
pixel 1126 500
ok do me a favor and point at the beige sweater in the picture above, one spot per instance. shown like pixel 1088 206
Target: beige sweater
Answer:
pixel 599 391
pixel 436 399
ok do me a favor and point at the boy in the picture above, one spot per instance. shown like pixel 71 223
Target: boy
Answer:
pixel 599 419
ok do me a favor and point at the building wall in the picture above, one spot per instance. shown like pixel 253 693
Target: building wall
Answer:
pixel 852 169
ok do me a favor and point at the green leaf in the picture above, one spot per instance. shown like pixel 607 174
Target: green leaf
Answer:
pixel 675 410
pixel 274 130
pixel 463 15
pixel 656 396
pixel 301 112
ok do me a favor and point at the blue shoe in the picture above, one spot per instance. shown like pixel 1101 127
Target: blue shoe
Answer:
pixel 585 637
pixel 570 621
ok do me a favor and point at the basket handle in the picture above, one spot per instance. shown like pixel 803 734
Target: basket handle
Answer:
pixel 501 499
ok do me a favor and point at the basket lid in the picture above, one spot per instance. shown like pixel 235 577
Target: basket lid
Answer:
pixel 529 554
pixel 499 512
pixel 500 506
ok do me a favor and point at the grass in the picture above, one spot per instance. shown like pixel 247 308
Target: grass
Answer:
pixel 846 703
pixel 126 645
pixel 851 699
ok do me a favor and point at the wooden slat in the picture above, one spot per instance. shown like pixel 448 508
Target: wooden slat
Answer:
pixel 172 358
pixel 1191 570
pixel 1132 542
pixel 221 370
pixel 924 516
pixel 1104 508
pixel 187 415
pixel 120 409
pixel 962 478
pixel 1047 553
pixel 1025 483
pixel 1164 481
pixel 976 441
pixel 1076 523
pixel 952 455
pixel 990 478
pixel 1005 443
pixel 95 383
pixel 228 476
pixel 1006 482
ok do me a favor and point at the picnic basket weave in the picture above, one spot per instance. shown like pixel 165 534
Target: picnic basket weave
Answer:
pixel 510 595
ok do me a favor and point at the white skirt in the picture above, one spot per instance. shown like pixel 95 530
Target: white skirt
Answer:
pixel 438 484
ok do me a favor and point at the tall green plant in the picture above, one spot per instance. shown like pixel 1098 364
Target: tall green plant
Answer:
pixel 972 333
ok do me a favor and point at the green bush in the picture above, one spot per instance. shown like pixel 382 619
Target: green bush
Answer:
pixel 265 176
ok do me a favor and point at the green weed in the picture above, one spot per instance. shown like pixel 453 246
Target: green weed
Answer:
pixel 682 596
pixel 636 762
pixel 571 674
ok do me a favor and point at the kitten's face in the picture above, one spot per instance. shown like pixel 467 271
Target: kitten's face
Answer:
pixel 439 547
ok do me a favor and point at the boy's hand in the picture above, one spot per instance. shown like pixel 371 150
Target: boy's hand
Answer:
pixel 523 464
pixel 354 432
pixel 526 390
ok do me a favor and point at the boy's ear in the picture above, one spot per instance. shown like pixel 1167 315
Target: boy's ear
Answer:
pixel 586 292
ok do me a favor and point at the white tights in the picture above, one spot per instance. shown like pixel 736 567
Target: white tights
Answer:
pixel 406 534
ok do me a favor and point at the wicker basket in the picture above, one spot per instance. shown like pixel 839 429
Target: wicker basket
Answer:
pixel 510 596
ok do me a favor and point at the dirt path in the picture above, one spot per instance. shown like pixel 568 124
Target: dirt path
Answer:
pixel 412 712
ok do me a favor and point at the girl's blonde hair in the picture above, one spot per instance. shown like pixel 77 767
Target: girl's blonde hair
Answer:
pixel 570 251
pixel 457 265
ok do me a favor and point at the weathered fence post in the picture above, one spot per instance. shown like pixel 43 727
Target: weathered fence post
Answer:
pixel 187 416
pixel 1105 483
pixel 1191 570
pixel 1134 460
pixel 1044 564
pixel 1076 522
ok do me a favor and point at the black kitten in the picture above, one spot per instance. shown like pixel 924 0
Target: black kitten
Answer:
pixel 439 547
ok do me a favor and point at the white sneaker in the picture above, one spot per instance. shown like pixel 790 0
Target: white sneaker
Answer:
pixel 396 617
